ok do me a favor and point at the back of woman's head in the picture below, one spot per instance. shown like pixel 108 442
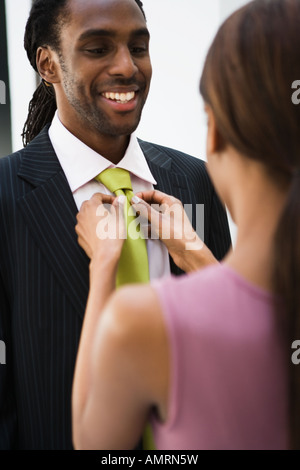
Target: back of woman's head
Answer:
pixel 247 81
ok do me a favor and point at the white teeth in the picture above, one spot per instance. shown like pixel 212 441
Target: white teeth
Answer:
pixel 120 97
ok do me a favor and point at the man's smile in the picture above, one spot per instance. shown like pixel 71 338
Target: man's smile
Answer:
pixel 121 97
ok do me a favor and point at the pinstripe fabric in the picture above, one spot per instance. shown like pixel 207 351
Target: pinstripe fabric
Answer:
pixel 44 283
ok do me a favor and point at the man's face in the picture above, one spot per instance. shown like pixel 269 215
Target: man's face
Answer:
pixel 105 66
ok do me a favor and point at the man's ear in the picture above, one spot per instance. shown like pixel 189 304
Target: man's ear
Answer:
pixel 215 142
pixel 47 64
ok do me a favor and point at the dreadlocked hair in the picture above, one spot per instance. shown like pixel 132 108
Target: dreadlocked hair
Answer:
pixel 46 19
pixel 43 28
pixel 41 110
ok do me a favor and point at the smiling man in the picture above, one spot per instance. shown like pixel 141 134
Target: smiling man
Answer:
pixel 93 58
pixel 101 73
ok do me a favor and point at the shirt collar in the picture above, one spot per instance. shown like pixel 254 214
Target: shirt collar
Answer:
pixel 81 164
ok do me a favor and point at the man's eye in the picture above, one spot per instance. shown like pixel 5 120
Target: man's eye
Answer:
pixel 98 50
pixel 139 50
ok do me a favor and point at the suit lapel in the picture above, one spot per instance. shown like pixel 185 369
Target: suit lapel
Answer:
pixel 161 167
pixel 50 212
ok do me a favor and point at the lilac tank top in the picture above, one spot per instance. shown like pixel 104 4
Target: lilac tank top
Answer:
pixel 228 384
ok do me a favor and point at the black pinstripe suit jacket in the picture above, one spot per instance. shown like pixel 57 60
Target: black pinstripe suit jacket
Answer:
pixel 44 282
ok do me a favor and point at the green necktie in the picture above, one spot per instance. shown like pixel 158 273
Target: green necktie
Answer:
pixel 133 265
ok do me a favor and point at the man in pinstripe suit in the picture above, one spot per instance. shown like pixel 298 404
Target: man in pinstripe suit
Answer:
pixel 94 60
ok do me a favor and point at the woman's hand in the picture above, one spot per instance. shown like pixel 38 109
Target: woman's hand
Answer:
pixel 100 226
pixel 170 223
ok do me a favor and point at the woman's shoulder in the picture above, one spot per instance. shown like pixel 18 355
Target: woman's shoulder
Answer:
pixel 132 313
pixel 214 292
pixel 213 296
pixel 217 278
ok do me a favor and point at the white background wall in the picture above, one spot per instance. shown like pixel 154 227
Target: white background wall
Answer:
pixel 21 75
pixel 181 32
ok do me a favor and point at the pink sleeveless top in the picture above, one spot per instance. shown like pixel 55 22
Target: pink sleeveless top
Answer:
pixel 228 384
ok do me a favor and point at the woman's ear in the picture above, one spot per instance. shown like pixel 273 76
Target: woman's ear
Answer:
pixel 47 64
pixel 215 142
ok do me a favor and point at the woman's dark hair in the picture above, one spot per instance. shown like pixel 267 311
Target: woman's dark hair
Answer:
pixel 43 27
pixel 247 81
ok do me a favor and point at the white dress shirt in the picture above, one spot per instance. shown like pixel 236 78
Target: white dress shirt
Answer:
pixel 81 165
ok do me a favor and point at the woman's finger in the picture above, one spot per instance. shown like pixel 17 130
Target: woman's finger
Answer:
pixel 103 198
pixel 157 197
pixel 147 213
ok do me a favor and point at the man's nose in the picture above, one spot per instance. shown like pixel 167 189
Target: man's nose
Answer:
pixel 123 63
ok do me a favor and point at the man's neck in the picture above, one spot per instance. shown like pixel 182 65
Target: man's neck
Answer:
pixel 111 147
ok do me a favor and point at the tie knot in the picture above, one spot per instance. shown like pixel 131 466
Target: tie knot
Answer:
pixel 115 179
